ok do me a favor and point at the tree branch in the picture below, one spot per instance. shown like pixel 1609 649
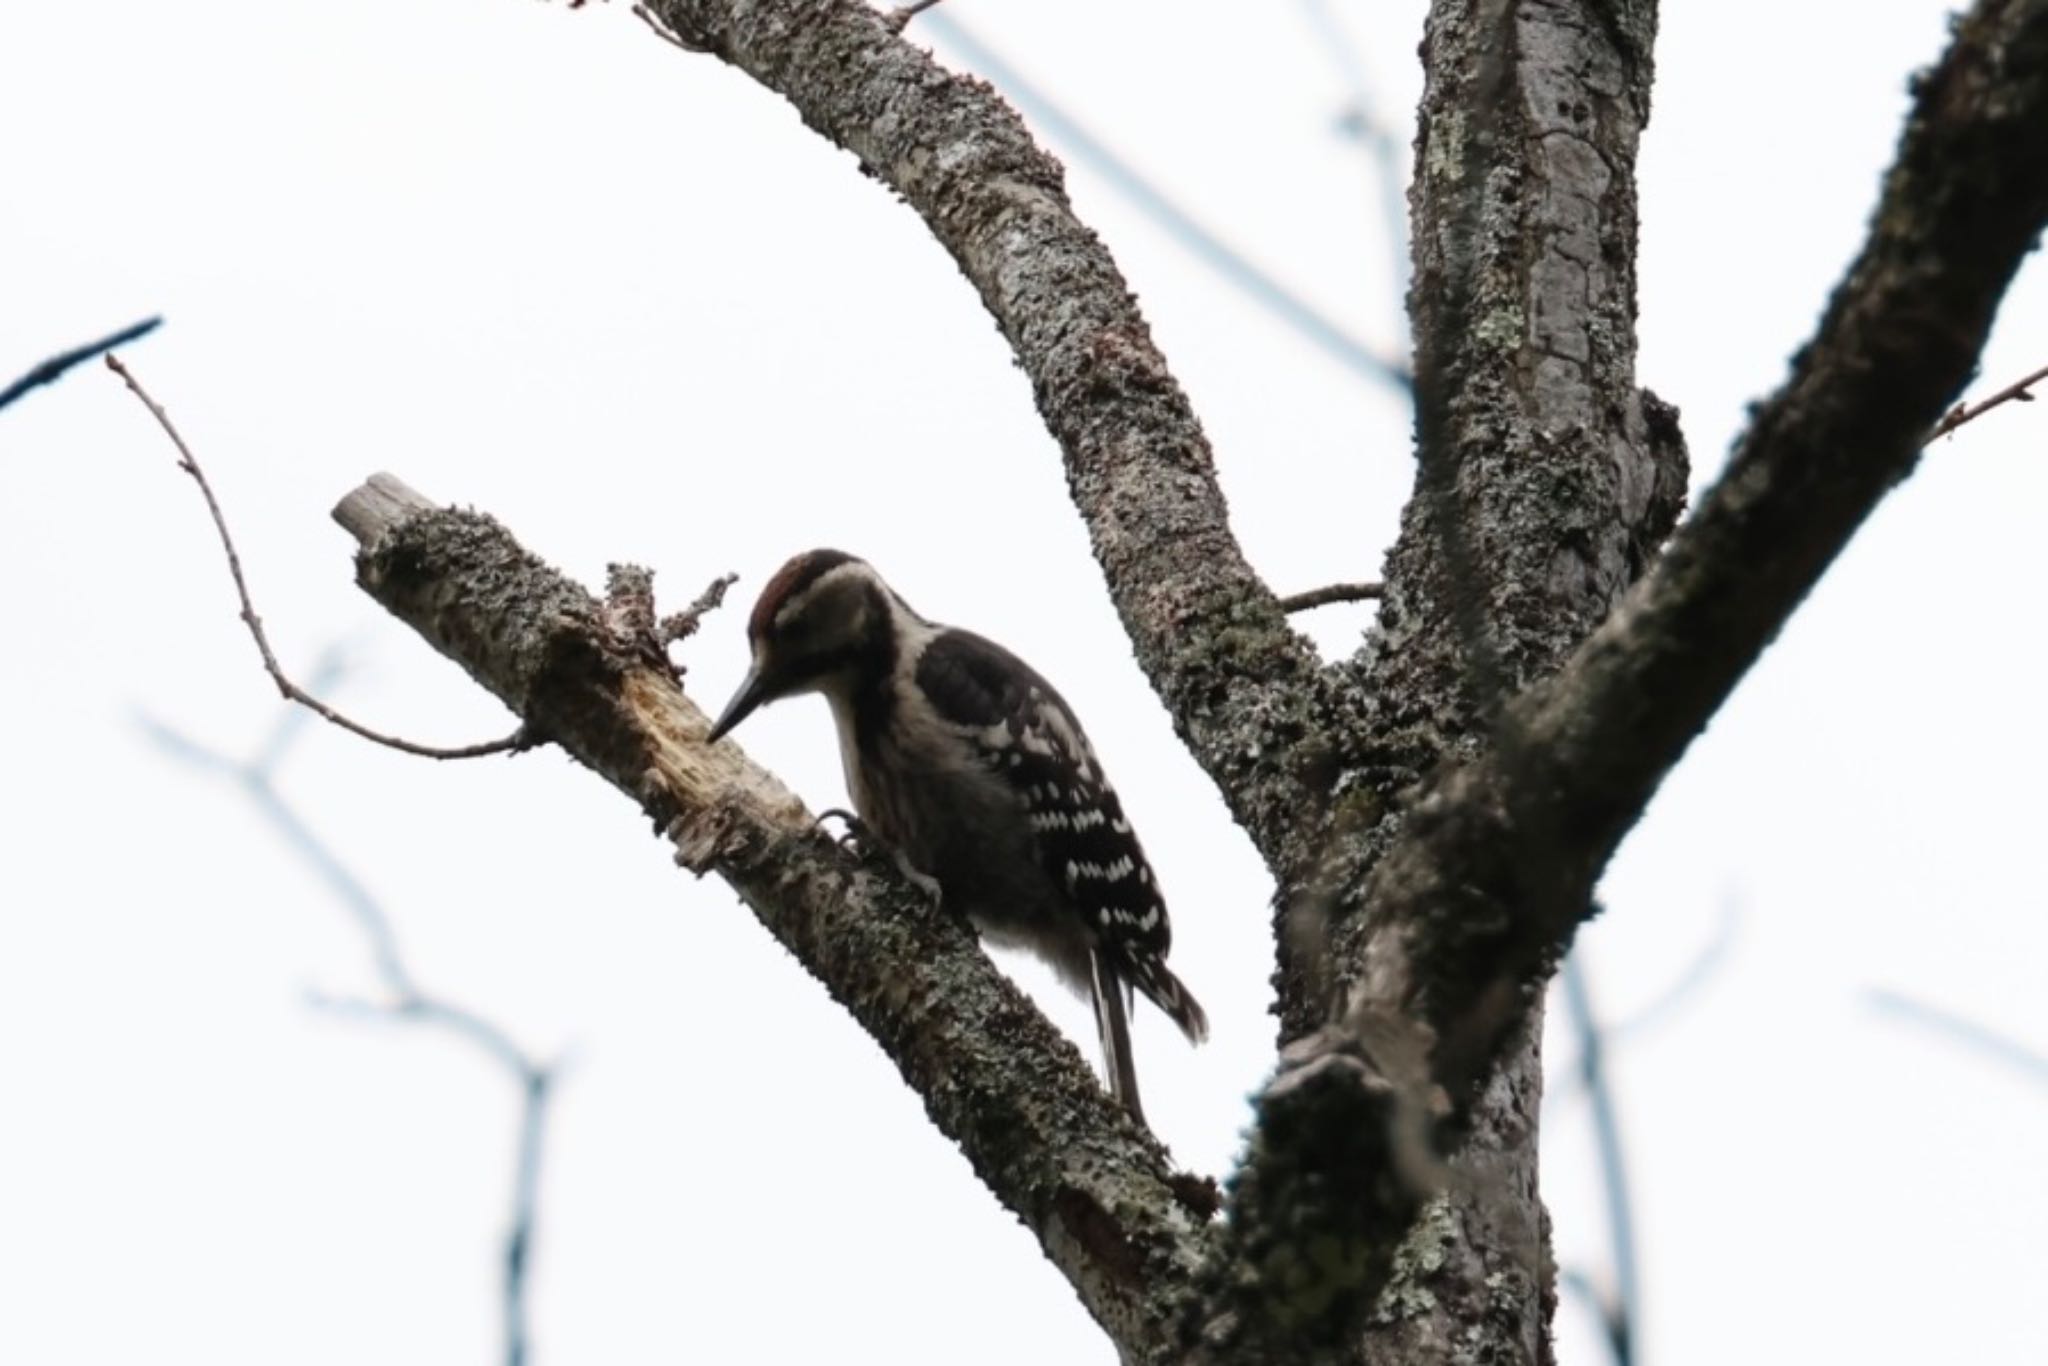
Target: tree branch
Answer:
pixel 903 14
pixel 1545 479
pixel 1492 871
pixel 2020 391
pixel 994 1075
pixel 1207 631
pixel 406 999
pixel 1331 593
pixel 1584 751
pixel 1301 317
pixel 1986 1043
pixel 290 691
pixel 53 369
pixel 1621 1314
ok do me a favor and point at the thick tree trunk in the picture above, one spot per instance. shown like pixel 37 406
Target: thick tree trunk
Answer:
pixel 1545 480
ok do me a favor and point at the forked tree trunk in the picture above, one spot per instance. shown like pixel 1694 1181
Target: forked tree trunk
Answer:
pixel 1436 809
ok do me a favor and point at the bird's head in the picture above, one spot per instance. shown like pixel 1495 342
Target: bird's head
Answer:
pixel 821 621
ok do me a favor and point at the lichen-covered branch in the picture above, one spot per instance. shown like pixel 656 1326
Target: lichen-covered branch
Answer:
pixel 1546 479
pixel 1492 869
pixel 1492 873
pixel 1439 807
pixel 994 1075
pixel 1964 203
pixel 1209 634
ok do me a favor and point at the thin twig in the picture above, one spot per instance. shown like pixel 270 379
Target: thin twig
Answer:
pixel 536 1086
pixel 663 31
pixel 1361 123
pixel 903 14
pixel 1336 592
pixel 1292 309
pixel 540 1085
pixel 406 1001
pixel 1705 965
pixel 58 364
pixel 1620 1315
pixel 680 626
pixel 1970 412
pixel 629 611
pixel 1600 1304
pixel 513 743
pixel 1960 1029
pixel 254 776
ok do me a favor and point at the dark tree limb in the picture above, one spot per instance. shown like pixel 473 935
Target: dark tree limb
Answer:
pixel 1545 480
pixel 994 1074
pixel 1207 631
pixel 1620 1314
pixel 53 369
pixel 1492 871
pixel 1582 753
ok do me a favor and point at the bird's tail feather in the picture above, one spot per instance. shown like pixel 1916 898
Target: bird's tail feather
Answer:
pixel 1113 1018
pixel 1165 990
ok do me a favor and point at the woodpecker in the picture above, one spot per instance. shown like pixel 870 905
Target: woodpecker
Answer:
pixel 974 773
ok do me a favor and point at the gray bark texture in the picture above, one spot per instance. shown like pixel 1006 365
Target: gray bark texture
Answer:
pixel 995 1075
pixel 1436 809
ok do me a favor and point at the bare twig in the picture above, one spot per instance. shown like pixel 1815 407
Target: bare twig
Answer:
pixel 56 365
pixel 1331 593
pixel 1698 972
pixel 664 32
pixel 1970 412
pixel 407 1000
pixel 292 692
pixel 1960 1029
pixel 1360 122
pixel 680 626
pixel 1602 1306
pixel 903 14
pixel 1620 1314
pixel 629 613
pixel 536 1086
pixel 1294 310
pixel 533 1112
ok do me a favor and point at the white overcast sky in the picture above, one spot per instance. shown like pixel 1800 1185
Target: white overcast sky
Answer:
pixel 533 260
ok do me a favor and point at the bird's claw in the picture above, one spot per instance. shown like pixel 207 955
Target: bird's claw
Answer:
pixel 858 838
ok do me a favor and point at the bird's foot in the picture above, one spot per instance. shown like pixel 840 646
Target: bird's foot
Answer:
pixel 858 838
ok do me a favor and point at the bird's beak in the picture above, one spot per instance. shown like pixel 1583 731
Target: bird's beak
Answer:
pixel 753 692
